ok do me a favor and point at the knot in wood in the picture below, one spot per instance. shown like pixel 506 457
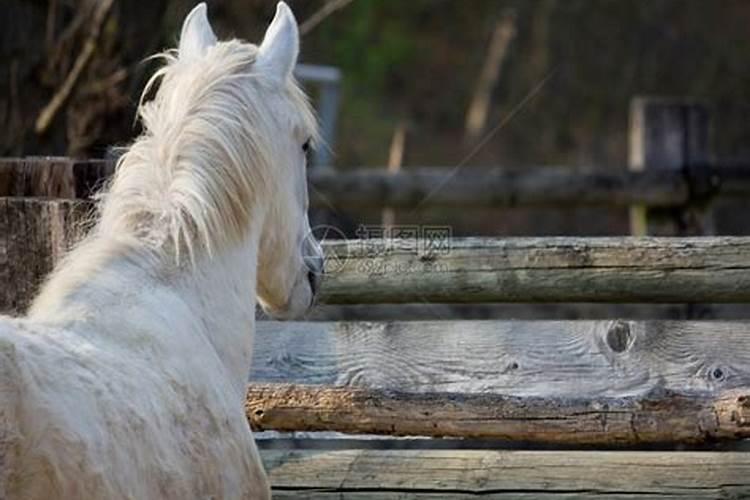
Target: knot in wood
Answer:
pixel 619 337
pixel 716 374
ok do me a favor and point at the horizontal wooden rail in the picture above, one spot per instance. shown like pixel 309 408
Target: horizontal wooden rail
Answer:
pixel 661 417
pixel 495 188
pixel 56 177
pixel 429 186
pixel 564 382
pixel 605 358
pixel 437 268
pixel 474 270
pixel 500 474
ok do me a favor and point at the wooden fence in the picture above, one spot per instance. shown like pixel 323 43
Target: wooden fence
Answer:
pixel 35 232
pixel 597 384
pixel 650 382
pixel 610 382
pixel 415 187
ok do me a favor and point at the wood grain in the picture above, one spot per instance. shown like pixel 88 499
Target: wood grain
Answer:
pixel 658 417
pixel 562 269
pixel 36 233
pixel 495 187
pixel 474 270
pixel 516 358
pixel 571 382
pixel 449 474
pixel 52 177
pixel 484 188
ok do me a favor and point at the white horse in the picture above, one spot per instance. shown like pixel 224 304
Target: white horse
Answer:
pixel 127 378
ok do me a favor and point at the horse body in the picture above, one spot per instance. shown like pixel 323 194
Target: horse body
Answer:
pixel 135 397
pixel 127 378
pixel 108 424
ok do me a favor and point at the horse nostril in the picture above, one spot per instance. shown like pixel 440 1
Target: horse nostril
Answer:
pixel 313 279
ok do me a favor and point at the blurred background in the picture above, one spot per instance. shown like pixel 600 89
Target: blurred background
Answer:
pixel 465 88
pixel 533 83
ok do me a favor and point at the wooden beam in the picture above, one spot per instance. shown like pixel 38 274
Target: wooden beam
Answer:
pixel 470 270
pixel 670 134
pixel 659 417
pixel 475 270
pixel 52 177
pixel 564 382
pixel 484 188
pixel 465 474
pixel 34 234
pixel 606 358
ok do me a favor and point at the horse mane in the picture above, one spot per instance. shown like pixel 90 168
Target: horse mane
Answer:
pixel 190 182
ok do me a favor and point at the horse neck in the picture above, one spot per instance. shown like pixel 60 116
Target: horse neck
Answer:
pixel 122 294
pixel 222 296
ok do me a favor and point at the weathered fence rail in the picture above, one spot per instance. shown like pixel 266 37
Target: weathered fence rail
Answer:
pixel 560 382
pixel 53 177
pixel 479 187
pixel 499 474
pixel 605 421
pixel 35 232
pixel 474 270
pixel 430 186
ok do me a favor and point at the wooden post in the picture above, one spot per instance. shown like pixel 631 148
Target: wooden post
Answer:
pixel 34 234
pixel 395 160
pixel 669 134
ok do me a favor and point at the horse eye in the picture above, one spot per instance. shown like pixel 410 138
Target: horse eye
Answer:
pixel 306 146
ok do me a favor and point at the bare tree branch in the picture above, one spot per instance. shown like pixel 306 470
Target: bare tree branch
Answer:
pixel 329 8
pixel 50 110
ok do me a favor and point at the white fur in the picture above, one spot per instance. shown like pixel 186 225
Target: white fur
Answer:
pixel 127 378
pixel 196 36
pixel 277 54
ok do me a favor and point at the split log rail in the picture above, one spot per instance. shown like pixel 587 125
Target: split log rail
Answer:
pixel 410 188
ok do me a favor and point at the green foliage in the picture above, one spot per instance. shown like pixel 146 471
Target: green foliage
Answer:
pixel 419 61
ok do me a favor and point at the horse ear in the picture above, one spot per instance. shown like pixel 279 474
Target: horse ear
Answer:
pixel 197 35
pixel 278 52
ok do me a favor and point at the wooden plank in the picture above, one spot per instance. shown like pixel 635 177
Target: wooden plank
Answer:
pixel 37 233
pixel 52 177
pixel 672 135
pixel 610 358
pixel 474 270
pixel 619 371
pixel 376 188
pixel 524 358
pixel 483 270
pixel 447 474
pixel 496 187
pixel 659 417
